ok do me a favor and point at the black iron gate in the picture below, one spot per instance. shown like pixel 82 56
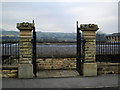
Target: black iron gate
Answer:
pixel 78 64
pixel 79 41
pixel 34 51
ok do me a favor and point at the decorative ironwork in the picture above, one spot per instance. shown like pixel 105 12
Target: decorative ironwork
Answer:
pixel 10 52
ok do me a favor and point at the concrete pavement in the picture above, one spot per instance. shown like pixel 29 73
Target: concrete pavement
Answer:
pixel 109 80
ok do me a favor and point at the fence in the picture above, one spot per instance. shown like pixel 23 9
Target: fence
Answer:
pixel 10 52
pixel 108 51
pixel 105 51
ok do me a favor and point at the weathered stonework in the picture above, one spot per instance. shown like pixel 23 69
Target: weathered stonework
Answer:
pixel 9 72
pixel 108 68
pixel 25 50
pixel 70 64
pixel 89 67
pixel 25 71
pixel 102 68
pixel 25 26
pixel 25 42
pixel 89 46
pixel 56 63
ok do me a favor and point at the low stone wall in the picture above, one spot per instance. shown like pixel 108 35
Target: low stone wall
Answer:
pixel 70 63
pixel 60 64
pixel 9 72
pixel 56 63
pixel 108 68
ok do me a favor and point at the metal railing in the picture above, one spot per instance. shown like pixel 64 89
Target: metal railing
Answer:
pixel 105 51
pixel 10 52
pixel 108 51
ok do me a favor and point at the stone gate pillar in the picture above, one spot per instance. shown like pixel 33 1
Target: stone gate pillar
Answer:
pixel 89 66
pixel 25 68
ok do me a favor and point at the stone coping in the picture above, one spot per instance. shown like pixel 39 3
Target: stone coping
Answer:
pixel 103 63
pixel 9 67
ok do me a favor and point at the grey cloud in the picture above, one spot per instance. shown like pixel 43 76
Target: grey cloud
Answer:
pixel 58 16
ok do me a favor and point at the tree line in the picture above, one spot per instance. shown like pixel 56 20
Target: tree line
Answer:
pixel 48 36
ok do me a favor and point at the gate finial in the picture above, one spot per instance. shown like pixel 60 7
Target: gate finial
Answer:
pixel 77 26
pixel 33 21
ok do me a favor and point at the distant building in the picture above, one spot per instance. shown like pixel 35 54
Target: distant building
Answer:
pixel 115 37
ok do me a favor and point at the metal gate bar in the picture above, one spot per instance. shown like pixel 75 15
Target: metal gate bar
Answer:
pixel 78 49
pixel 34 51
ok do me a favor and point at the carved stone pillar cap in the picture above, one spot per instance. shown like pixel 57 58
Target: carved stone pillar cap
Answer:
pixel 88 27
pixel 25 26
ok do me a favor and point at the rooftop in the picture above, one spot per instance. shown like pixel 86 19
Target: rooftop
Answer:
pixel 114 34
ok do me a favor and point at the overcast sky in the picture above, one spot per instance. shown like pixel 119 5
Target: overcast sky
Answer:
pixel 61 16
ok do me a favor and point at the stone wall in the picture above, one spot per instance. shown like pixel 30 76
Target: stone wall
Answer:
pixel 70 63
pixel 108 68
pixel 60 63
pixel 56 63
pixel 9 72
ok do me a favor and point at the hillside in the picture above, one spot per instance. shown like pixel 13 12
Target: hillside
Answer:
pixel 48 36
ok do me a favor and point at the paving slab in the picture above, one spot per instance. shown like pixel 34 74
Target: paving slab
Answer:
pixel 57 73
